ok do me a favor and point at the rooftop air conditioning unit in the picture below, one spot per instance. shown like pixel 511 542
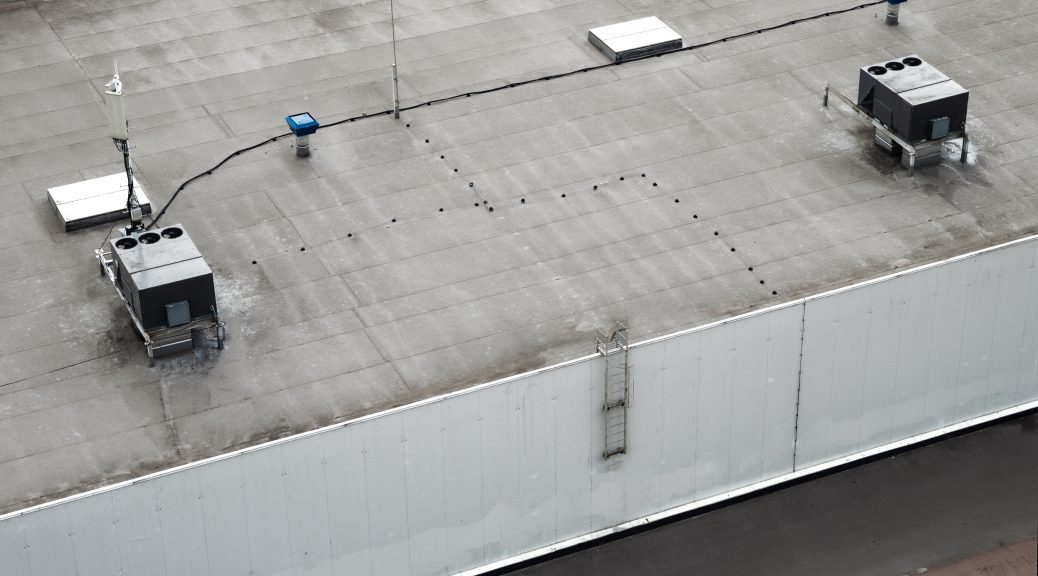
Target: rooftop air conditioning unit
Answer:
pixel 166 285
pixel 912 98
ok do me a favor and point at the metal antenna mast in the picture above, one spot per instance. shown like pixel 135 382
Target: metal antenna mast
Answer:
pixel 396 80
pixel 118 128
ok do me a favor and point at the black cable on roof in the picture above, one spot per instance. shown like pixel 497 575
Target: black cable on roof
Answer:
pixel 158 216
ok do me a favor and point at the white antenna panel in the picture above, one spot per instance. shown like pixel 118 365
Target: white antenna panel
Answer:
pixel 115 108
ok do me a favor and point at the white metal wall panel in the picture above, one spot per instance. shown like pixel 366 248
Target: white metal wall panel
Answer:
pixel 832 379
pixel 504 469
pixel 573 452
pixel 139 530
pixel 266 514
pixel 499 433
pixel 307 505
pixel 223 518
pixel 914 334
pixel 881 366
pixel 978 332
pixel 13 558
pixel 537 460
pixel 641 463
pixel 347 500
pixel 713 410
pixel 387 495
pixel 463 486
pixel 781 386
pixel 426 505
pixel 753 420
pixel 946 340
pixel 746 403
pixel 1009 345
pixel 678 419
pixel 94 537
pixel 749 392
pixel 181 516
pixel 48 542
pixel 915 353
pixel 1027 387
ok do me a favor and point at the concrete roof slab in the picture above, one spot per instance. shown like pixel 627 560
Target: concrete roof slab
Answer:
pixel 346 312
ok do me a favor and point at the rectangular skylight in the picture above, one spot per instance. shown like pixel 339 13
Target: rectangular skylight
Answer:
pixel 634 38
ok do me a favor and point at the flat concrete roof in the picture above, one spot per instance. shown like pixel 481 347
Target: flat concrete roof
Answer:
pixel 335 310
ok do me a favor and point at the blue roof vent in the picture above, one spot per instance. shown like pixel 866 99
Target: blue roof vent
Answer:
pixel 302 124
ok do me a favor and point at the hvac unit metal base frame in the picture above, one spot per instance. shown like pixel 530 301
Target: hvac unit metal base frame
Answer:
pixel 910 148
pixel 164 340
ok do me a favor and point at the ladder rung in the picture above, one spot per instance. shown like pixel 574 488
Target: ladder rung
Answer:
pixel 614 347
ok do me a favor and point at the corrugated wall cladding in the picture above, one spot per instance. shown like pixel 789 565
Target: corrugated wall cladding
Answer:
pixel 918 352
pixel 498 471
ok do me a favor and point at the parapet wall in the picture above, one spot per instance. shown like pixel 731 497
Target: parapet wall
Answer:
pixel 514 468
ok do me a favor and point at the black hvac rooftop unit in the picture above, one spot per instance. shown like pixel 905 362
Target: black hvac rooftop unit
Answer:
pixel 166 284
pixel 912 99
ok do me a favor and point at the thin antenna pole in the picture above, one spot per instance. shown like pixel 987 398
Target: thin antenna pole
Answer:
pixel 120 134
pixel 396 83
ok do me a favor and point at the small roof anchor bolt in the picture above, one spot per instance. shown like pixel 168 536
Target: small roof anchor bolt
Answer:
pixel 893 8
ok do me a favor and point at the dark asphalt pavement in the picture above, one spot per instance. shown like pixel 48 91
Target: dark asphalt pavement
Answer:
pixel 923 508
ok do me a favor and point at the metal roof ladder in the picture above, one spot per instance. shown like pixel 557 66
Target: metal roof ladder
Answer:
pixel 617 388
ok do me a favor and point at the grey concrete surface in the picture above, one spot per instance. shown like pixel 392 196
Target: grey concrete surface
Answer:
pixel 345 311
pixel 914 513
pixel 1019 559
